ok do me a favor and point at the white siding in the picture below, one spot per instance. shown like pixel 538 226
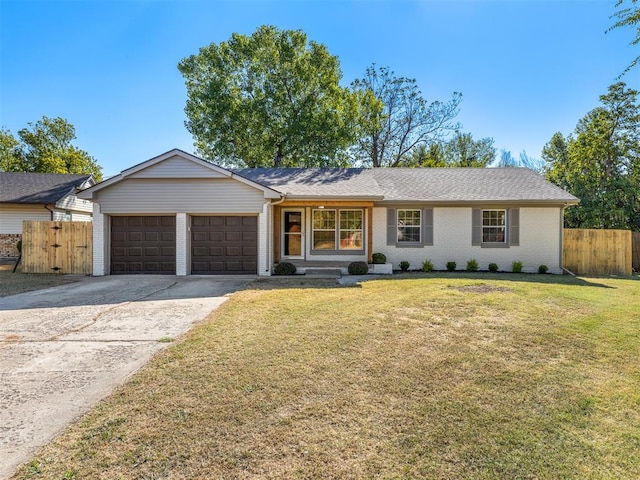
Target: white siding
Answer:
pixel 75 204
pixel 539 241
pixel 210 196
pixel 12 215
pixel 177 167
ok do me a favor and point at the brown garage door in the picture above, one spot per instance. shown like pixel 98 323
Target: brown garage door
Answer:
pixel 224 245
pixel 143 245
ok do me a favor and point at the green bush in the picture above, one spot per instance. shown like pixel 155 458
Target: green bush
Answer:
pixel 358 268
pixel 472 265
pixel 516 267
pixel 427 266
pixel 404 265
pixel 451 266
pixel 284 268
pixel 543 269
pixel 493 267
pixel 379 258
pixel 19 246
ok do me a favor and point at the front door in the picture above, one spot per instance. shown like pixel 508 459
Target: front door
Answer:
pixel 292 234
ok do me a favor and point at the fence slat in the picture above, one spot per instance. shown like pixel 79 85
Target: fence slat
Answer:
pixel 72 255
pixel 597 252
pixel 635 262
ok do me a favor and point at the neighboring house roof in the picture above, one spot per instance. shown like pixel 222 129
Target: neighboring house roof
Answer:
pixel 438 185
pixel 45 188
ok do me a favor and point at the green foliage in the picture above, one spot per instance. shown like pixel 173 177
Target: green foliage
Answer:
pixel 493 267
pixel 543 269
pixel 404 265
pixel 269 99
pixel 472 265
pixel 19 246
pixel 427 266
pixel 600 163
pixel 284 268
pixel 516 267
pixel 460 151
pixel 379 258
pixel 46 147
pixel 451 266
pixel 358 268
pixel 628 16
pixel 396 119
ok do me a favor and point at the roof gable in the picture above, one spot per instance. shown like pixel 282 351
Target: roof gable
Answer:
pixel 176 164
pixel 39 188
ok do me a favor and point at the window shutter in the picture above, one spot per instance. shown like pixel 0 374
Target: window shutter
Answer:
pixel 427 226
pixel 392 227
pixel 514 226
pixel 476 226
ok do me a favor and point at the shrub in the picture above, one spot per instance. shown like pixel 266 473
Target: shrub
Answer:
pixel 404 265
pixel 516 267
pixel 451 266
pixel 427 266
pixel 543 269
pixel 472 265
pixel 379 258
pixel 284 268
pixel 358 268
pixel 493 267
pixel 19 246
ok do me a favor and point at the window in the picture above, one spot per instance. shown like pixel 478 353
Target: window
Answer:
pixel 494 224
pixel 409 223
pixel 337 229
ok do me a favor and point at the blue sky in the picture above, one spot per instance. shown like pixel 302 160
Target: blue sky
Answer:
pixel 526 69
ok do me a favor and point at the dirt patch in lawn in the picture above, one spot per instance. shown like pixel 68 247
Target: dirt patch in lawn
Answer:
pixel 19 282
pixel 481 288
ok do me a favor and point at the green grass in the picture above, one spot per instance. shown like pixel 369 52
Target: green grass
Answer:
pixel 475 376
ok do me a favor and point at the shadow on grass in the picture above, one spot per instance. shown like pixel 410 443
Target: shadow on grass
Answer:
pixel 300 282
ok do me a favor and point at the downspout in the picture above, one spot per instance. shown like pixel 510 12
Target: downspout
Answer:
pixel 51 211
pixel 270 234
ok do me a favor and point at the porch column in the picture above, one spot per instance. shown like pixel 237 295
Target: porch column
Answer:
pixel 264 254
pixel 369 234
pixel 99 243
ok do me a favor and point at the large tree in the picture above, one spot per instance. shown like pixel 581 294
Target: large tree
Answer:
pixel 401 120
pixel 628 15
pixel 459 151
pixel 46 147
pixel 600 163
pixel 269 99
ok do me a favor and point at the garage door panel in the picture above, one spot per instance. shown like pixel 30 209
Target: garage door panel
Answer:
pixel 143 244
pixel 230 244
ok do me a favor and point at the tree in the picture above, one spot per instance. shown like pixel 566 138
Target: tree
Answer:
pixel 269 99
pixel 600 163
pixel 46 147
pixel 401 121
pixel 523 161
pixel 459 151
pixel 628 16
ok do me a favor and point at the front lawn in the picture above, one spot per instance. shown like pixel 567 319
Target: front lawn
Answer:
pixel 437 376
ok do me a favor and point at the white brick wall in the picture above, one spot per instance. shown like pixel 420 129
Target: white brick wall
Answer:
pixel 182 239
pixel 264 234
pixel 539 241
pixel 99 227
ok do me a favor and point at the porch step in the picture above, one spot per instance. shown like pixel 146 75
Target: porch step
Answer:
pixel 322 272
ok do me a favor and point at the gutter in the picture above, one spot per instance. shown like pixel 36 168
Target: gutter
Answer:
pixel 51 211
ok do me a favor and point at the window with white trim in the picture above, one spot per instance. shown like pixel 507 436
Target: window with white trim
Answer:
pixel 337 229
pixel 409 224
pixel 494 226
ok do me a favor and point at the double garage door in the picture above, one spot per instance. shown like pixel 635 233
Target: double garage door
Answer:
pixel 219 245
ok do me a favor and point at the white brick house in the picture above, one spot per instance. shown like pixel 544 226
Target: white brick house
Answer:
pixel 179 214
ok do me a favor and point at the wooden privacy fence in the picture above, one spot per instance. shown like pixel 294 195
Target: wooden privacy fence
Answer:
pixel 57 247
pixel 597 252
pixel 636 251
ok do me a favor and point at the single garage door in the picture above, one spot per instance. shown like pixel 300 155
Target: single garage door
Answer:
pixel 224 245
pixel 143 245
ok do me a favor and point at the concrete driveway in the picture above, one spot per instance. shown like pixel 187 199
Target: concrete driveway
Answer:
pixel 65 348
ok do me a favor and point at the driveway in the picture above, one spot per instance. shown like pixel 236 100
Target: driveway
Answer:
pixel 65 348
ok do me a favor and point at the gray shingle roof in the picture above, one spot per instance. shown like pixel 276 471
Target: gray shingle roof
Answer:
pixel 413 184
pixel 45 188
